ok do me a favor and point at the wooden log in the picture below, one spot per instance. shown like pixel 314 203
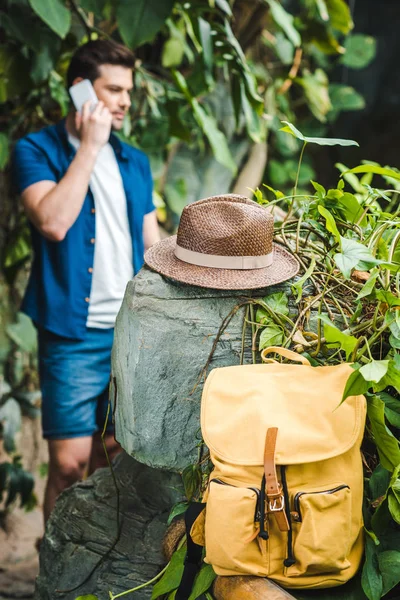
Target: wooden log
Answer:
pixel 248 588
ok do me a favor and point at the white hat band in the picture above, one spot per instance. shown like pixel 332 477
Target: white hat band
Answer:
pixel 223 262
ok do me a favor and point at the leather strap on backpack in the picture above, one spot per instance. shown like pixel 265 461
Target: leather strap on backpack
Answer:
pixel 275 497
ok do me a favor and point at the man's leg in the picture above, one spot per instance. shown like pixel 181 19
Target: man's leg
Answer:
pixel 98 457
pixel 68 460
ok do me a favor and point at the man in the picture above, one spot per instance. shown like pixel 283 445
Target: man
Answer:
pixel 88 197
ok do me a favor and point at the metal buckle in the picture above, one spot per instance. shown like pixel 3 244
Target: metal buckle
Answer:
pixel 277 504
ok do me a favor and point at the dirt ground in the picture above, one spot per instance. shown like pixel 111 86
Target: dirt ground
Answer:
pixel 19 562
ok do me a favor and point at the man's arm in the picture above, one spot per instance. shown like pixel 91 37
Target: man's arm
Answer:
pixel 54 207
pixel 151 231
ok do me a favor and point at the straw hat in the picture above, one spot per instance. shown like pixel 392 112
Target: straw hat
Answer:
pixel 223 242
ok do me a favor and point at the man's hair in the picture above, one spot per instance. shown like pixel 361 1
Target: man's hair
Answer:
pixel 87 59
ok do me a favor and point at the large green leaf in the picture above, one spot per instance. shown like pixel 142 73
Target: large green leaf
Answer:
pixel 289 128
pixel 315 87
pixel 172 576
pixel 271 335
pixel 389 565
pixel 352 253
pixel 392 378
pixel 374 370
pixel 87 597
pixel 355 385
pixel 277 302
pixel 360 51
pixel 208 125
pixel 285 21
pixel 335 336
pixel 253 121
pixel 339 15
pixel 54 14
pixel 330 222
pixel 371 578
pixel 387 445
pixel 139 21
pixel 369 285
pixel 203 581
pixel 375 169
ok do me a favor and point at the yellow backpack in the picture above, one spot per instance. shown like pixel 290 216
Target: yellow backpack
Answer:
pixel 284 500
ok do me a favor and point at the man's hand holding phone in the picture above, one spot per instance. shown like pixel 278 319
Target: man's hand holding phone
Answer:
pixel 94 127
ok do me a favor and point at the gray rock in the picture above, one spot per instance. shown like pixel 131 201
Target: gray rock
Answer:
pixel 83 527
pixel 163 337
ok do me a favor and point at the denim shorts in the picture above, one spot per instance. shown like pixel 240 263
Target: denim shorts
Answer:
pixel 74 379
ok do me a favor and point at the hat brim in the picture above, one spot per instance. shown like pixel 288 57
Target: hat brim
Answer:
pixel 161 258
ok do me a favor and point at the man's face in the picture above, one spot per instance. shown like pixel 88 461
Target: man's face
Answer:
pixel 113 87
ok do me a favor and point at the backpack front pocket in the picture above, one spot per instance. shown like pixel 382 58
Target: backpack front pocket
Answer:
pixel 321 522
pixel 232 527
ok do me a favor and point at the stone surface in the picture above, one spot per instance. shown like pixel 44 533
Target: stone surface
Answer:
pixel 83 527
pixel 163 337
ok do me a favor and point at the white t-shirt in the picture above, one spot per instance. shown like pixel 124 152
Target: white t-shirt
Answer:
pixel 113 263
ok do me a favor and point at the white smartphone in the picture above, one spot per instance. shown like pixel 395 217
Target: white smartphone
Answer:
pixel 82 92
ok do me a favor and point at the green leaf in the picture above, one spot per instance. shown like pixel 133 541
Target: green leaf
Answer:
pixel 330 222
pixel 207 47
pixel 224 6
pixel 10 421
pixel 392 378
pixel 379 482
pixel 321 191
pixel 389 565
pixel 339 15
pixel 371 577
pixel 285 22
pixel 277 302
pixel 369 285
pixel 54 14
pixel 203 581
pixel 387 445
pixel 278 194
pixel 176 510
pixel 344 97
pixel 172 576
pixel 315 87
pixel 209 126
pixel 334 336
pixel 173 51
pixel 392 408
pixel 253 121
pixel 374 370
pixel 23 333
pixel 87 597
pixel 394 505
pixel 191 477
pixel 360 51
pixel 355 385
pixel 289 128
pixel 352 253
pixel 139 21
pixel 271 335
pixel 297 288
pixel 376 170
pixel 4 150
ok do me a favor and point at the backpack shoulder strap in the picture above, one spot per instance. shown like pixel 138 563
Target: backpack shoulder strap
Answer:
pixel 193 554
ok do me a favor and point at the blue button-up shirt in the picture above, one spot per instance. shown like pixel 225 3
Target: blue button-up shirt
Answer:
pixel 60 280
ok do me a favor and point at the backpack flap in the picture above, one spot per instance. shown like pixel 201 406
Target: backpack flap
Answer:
pixel 240 403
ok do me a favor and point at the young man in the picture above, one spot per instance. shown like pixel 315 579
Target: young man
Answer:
pixel 88 197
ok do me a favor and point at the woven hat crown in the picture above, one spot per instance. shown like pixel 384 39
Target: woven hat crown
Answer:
pixel 228 225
